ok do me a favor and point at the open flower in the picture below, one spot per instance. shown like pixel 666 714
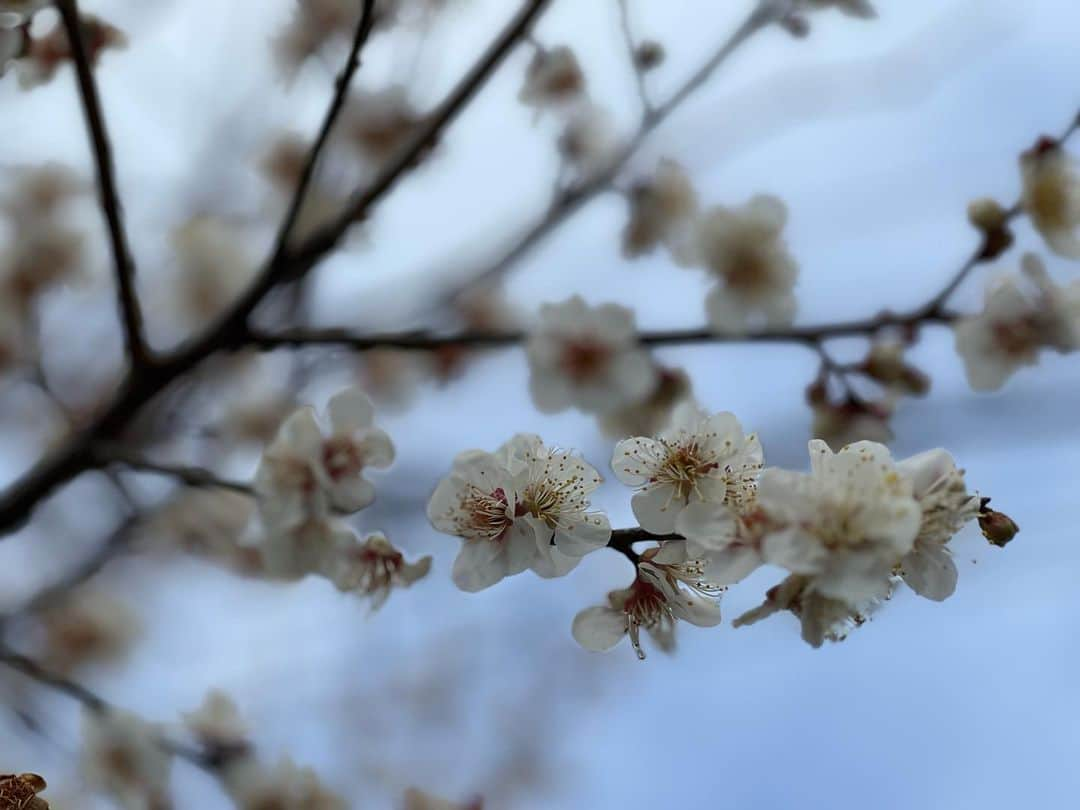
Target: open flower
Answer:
pixel 1018 320
pixel 374 568
pixel 745 250
pixel 587 357
pixel 698 458
pixel 1051 195
pixel 553 79
pixel 663 210
pixel 844 525
pixel 946 506
pixel 252 786
pixel 668 587
pixel 822 618
pixel 524 506
pixel 304 472
pixel 122 756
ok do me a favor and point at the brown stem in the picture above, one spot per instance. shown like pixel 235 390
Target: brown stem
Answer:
pixel 111 208
pixel 647 109
pixel 622 541
pixel 192 476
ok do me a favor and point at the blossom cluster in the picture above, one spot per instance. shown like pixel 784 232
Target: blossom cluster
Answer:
pixel 846 533
pixel 36 57
pixel 306 479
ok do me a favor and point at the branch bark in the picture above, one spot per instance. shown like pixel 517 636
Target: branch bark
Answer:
pixel 111 208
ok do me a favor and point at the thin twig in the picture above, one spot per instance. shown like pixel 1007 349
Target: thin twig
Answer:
pixel 192 476
pixel 106 173
pixel 632 52
pixel 209 758
pixel 622 541
pixel 337 104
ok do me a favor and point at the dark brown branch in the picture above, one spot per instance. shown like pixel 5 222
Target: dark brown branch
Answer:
pixel 622 541
pixel 143 384
pixel 111 208
pixel 337 104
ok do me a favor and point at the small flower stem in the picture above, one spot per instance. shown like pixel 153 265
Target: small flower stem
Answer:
pixel 192 476
pixel 622 541
pixel 647 107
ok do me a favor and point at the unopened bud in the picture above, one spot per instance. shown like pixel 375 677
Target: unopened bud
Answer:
pixel 649 55
pixel 986 214
pixel 885 364
pixel 997 527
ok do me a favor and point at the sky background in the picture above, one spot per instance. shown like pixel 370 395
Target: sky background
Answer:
pixel 876 135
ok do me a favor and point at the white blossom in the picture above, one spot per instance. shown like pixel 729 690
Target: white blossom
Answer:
pixel 373 568
pixel 122 756
pixel 212 268
pixel 844 525
pixel 822 618
pixel 663 210
pixel 852 420
pixel 946 506
pixel 524 506
pixel 306 472
pixel 217 722
pixel 378 123
pixel 553 79
pixel 652 414
pixel 745 250
pixel 1021 316
pixel 1051 196
pixel 669 586
pixel 46 54
pixel 726 541
pixel 587 357
pixel 87 627
pixel 699 457
pixel 18 11
pixel 252 786
pixel 589 140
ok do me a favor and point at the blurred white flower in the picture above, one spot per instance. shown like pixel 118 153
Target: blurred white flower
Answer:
pixel 288 787
pixel 87 627
pixel 589 140
pixel 652 414
pixel 587 357
pixel 663 210
pixel 745 250
pixel 373 568
pixel 217 722
pixel 553 79
pixel 45 54
pixel 378 123
pixel 668 587
pixel 822 618
pixel 524 506
pixel 1051 195
pixel 946 506
pixel 699 457
pixel 851 420
pixel 122 756
pixel 845 524
pixel 213 268
pixel 304 473
pixel 18 11
pixel 1017 321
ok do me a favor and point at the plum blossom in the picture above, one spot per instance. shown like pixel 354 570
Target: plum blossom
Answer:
pixel 699 457
pixel 728 543
pixel 217 722
pixel 87 627
pixel 652 414
pixel 669 586
pixel 374 568
pixel 1051 195
pixel 589 140
pixel 377 123
pixel 524 506
pixel 663 210
pixel 851 420
pixel 822 618
pixel 844 525
pixel 416 799
pixel 19 791
pixel 946 505
pixel 1018 320
pixel 44 55
pixel 553 79
pixel 587 357
pixel 122 756
pixel 305 472
pixel 745 250
pixel 252 786
pixel 213 268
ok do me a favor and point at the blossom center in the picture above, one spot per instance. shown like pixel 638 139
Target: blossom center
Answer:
pixel 484 515
pixel 683 466
pixel 584 359
pixel 341 457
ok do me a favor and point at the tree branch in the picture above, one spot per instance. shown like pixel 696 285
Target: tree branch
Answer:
pixel 111 208
pixel 144 383
pixel 647 109
pixel 105 454
pixel 622 541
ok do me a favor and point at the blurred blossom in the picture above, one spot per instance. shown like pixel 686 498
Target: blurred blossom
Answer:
pixel 44 55
pixel 1051 195
pixel 553 79
pixel 87 626
pixel 663 210
pixel 121 756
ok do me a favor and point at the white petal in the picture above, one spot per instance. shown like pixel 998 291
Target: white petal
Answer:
pixel 302 434
pixel 929 570
pixel 707 526
pixel 350 411
pixel 479 565
pixel 657 508
pixel 588 533
pixel 634 460
pixel 599 628
pixel 351 494
pixel 376 449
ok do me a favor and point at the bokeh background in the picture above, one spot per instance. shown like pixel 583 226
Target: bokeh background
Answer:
pixel 876 135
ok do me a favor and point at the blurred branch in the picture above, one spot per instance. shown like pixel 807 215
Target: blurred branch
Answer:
pixel 647 108
pixel 337 104
pixel 110 200
pixel 210 758
pixel 143 383
pixel 107 454
pixel 574 199
pixel 622 541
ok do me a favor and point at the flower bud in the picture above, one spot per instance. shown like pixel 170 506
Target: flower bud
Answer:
pixel 885 364
pixel 649 55
pixel 992 220
pixel 997 527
